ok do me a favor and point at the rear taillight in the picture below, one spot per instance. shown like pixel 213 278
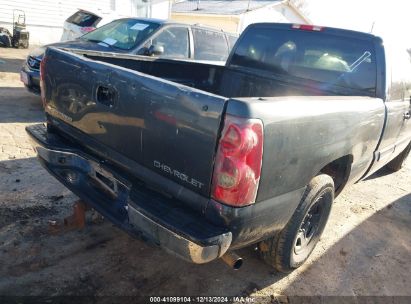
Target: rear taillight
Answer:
pixel 306 27
pixel 42 78
pixel 238 162
pixel 87 29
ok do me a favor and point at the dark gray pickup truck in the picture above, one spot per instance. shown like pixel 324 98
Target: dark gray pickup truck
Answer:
pixel 204 159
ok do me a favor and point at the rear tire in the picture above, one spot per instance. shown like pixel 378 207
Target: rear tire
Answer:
pixel 290 248
pixel 397 163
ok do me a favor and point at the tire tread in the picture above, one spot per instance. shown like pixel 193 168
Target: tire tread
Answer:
pixel 278 253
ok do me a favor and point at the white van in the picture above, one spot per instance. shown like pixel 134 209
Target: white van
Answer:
pixel 82 22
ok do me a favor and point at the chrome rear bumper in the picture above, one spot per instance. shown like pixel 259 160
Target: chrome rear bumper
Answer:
pixel 180 232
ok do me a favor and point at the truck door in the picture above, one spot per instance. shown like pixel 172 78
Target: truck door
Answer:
pixel 404 136
pixel 401 94
pixel 397 131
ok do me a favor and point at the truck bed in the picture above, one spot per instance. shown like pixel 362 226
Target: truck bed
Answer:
pixel 172 127
pixel 162 114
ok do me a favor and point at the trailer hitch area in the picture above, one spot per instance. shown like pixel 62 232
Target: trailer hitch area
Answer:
pixel 77 220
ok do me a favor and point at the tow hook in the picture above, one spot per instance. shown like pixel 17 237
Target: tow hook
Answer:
pixel 233 260
pixel 77 220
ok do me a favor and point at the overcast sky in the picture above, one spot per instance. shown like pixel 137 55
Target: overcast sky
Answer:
pixel 392 18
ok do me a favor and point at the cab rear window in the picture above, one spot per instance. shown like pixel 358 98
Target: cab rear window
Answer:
pixel 332 62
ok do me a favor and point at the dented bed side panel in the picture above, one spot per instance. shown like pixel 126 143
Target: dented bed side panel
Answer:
pixel 304 134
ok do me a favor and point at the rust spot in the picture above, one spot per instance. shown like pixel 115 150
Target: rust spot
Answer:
pixel 75 221
pixel 263 247
pixel 78 219
pixel 54 227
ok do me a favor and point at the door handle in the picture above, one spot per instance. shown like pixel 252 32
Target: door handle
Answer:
pixel 407 115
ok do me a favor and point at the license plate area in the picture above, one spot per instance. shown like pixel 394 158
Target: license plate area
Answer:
pixel 105 181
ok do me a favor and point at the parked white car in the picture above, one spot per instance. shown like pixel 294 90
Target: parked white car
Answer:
pixel 82 22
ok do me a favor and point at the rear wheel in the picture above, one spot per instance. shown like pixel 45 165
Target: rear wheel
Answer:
pixel 293 245
pixel 397 163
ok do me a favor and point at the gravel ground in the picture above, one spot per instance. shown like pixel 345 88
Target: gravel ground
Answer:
pixel 365 249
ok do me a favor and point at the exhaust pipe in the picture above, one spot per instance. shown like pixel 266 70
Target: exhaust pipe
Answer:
pixel 233 260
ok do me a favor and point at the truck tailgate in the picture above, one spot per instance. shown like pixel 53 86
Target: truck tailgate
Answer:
pixel 169 128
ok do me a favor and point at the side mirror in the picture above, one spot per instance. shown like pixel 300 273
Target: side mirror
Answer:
pixel 143 51
pixel 155 50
